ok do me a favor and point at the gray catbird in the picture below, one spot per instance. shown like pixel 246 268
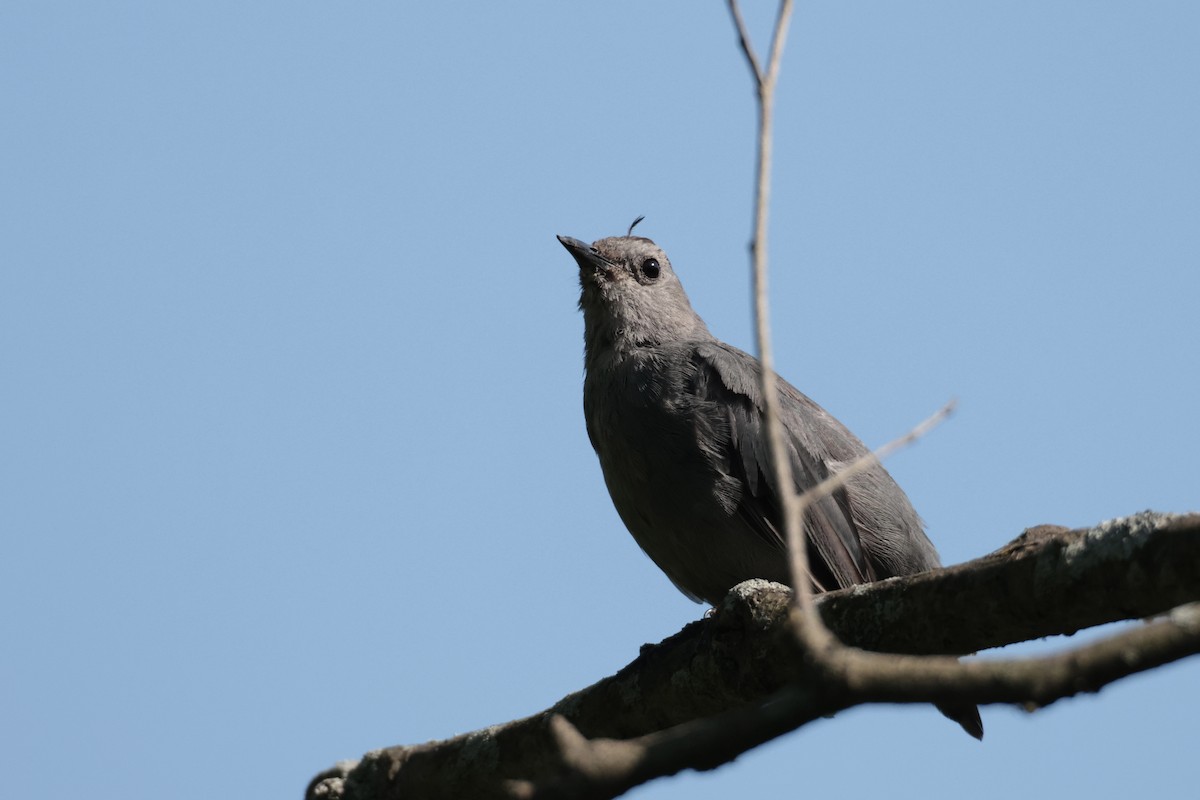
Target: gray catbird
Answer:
pixel 676 417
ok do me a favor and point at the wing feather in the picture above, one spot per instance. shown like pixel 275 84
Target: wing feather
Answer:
pixel 731 421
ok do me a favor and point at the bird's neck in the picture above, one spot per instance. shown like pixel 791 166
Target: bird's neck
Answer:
pixel 606 339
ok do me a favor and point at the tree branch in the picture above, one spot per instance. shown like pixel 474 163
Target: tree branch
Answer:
pixel 701 697
pixel 605 768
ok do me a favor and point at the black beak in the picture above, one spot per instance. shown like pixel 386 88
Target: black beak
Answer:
pixel 585 256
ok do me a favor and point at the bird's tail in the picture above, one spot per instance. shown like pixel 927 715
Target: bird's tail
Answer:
pixel 965 714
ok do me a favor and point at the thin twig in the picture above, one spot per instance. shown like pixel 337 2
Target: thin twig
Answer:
pixel 744 39
pixel 792 519
pixel 777 42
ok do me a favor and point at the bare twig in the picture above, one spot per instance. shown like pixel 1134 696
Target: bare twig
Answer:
pixel 794 507
pixel 747 46
pixel 808 624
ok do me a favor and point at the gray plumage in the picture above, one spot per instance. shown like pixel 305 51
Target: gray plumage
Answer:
pixel 676 418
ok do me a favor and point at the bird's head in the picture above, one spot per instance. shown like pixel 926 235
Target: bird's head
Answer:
pixel 629 295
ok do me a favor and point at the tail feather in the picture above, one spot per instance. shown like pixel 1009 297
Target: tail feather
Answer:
pixel 966 715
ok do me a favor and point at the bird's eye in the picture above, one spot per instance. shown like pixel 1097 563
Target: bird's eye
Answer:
pixel 650 268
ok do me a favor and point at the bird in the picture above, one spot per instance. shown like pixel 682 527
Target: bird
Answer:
pixel 676 417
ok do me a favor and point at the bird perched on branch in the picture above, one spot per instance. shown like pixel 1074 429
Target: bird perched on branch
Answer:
pixel 676 417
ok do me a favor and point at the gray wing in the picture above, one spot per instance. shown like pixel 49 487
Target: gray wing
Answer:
pixel 730 417
pixel 731 427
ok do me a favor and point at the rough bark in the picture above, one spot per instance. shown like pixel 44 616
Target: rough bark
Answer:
pixel 1050 580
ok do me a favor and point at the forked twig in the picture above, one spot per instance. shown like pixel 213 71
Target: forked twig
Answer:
pixel 792 516
pixel 810 629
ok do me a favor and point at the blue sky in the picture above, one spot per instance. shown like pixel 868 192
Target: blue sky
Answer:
pixel 294 465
